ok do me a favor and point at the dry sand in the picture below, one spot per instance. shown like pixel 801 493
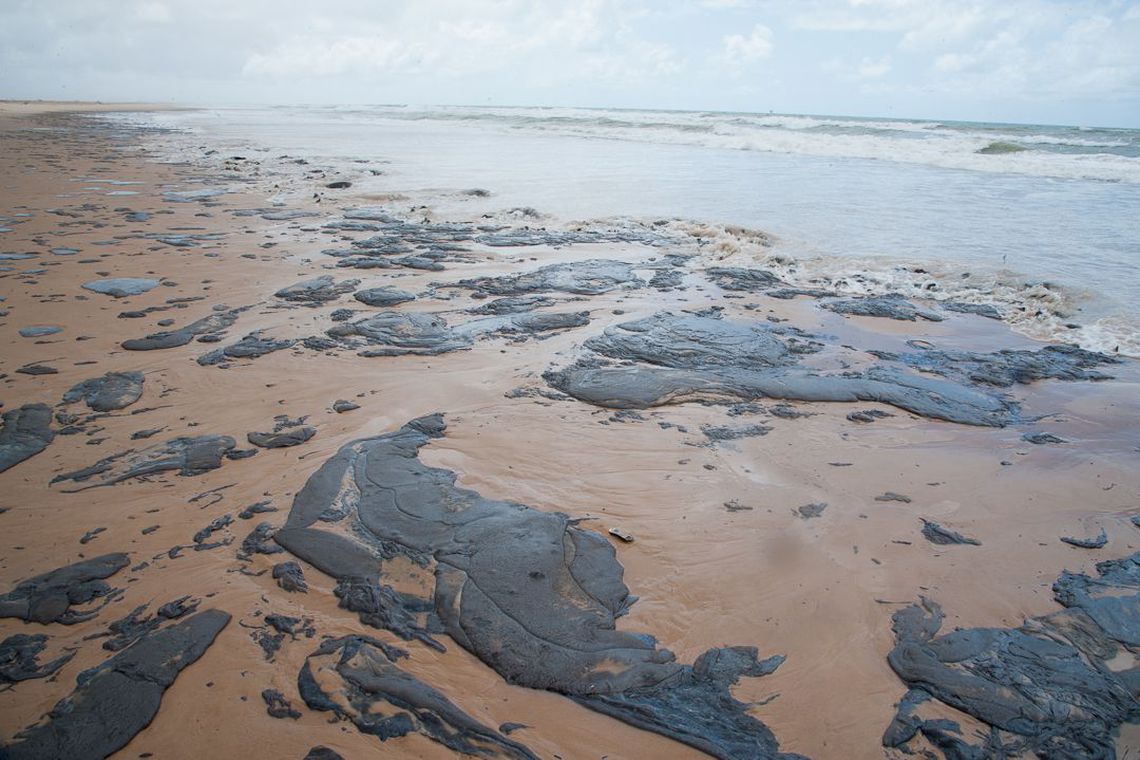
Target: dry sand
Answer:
pixel 37 108
pixel 820 591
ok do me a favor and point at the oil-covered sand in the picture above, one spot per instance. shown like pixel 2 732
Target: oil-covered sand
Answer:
pixel 293 518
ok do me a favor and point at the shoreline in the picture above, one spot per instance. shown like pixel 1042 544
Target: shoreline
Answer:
pixel 15 108
pixel 1044 295
pixel 707 575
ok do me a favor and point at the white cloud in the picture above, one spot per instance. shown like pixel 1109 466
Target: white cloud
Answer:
pixel 871 68
pixel 866 70
pixel 951 62
pixel 154 13
pixel 913 55
pixel 756 45
pixel 536 42
pixel 637 62
pixel 1016 49
pixel 311 56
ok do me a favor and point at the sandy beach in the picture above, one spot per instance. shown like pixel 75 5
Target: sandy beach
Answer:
pixel 773 457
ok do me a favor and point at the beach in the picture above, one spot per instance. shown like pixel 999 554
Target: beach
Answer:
pixel 756 447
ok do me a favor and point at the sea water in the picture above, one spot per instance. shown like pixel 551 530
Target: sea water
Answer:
pixel 1031 211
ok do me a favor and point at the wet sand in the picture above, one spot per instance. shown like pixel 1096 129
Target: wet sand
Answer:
pixel 722 555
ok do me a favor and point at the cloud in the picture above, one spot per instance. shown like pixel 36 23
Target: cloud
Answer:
pixel 154 13
pixel 867 69
pixel 755 46
pixel 638 61
pixel 913 55
pixel 871 68
pixel 535 42
pixel 1048 55
pixel 313 56
pixel 1018 49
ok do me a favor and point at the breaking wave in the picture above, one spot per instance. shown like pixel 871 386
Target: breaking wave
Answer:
pixel 1033 306
pixel 1111 155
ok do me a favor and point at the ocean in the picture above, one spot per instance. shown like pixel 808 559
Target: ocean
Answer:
pixel 1043 221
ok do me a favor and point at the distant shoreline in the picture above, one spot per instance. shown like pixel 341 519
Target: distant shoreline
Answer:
pixel 41 107
pixel 96 106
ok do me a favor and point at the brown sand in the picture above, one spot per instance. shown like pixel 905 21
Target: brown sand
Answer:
pixel 37 108
pixel 820 591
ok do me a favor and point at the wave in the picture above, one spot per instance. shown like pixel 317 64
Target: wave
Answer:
pixel 1111 155
pixel 1076 142
pixel 998 147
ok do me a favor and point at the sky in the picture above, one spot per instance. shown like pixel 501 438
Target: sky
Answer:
pixel 1031 61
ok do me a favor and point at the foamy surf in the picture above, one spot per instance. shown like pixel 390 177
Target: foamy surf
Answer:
pixel 1109 155
pixel 1036 295
pixel 1061 152
pixel 1037 309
